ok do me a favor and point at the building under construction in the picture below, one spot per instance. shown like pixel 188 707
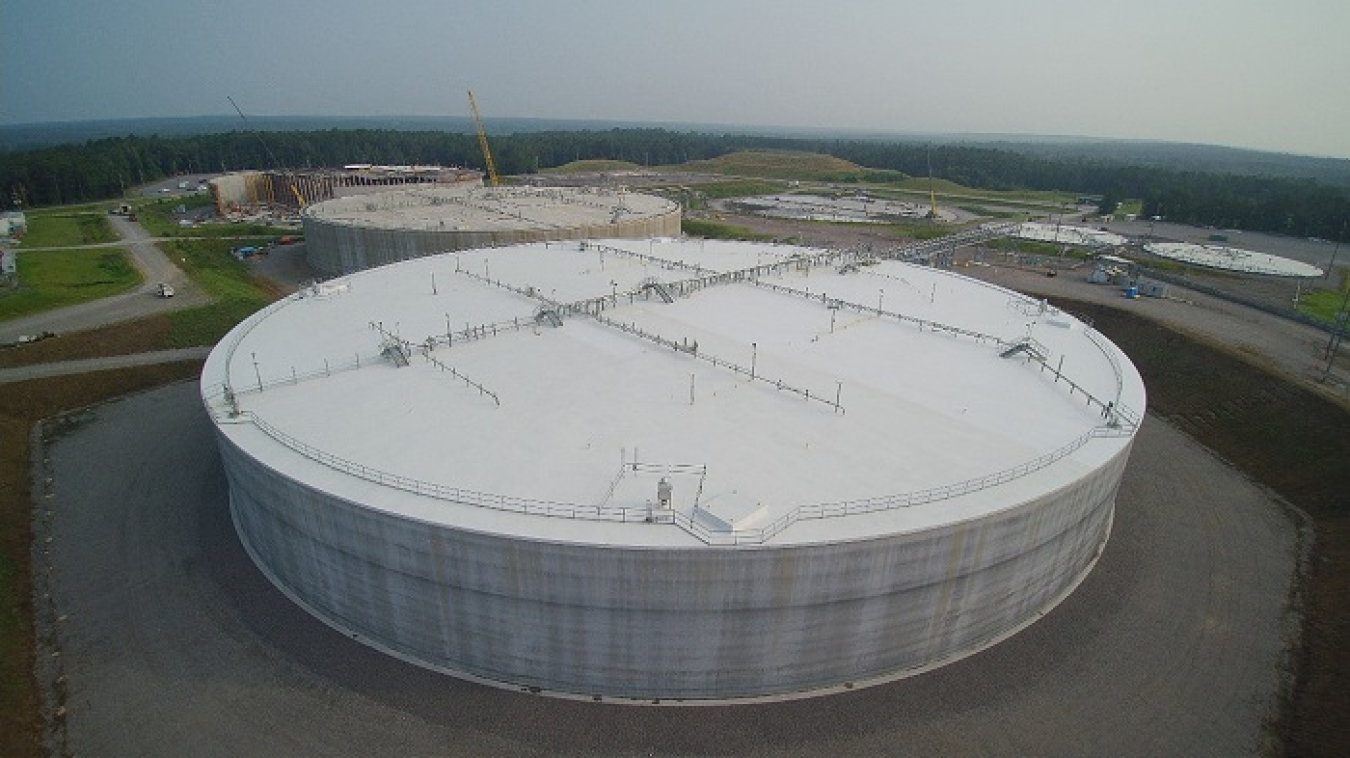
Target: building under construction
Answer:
pixel 245 191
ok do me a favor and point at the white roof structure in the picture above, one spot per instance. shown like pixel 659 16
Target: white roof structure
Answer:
pixel 1232 259
pixel 1069 235
pixel 547 389
pixel 858 209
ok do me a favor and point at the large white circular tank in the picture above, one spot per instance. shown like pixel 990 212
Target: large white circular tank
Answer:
pixel 1232 259
pixel 674 471
pixel 357 232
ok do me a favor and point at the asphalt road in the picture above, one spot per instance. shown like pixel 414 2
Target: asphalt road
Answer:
pixel 64 368
pixel 154 266
pixel 162 639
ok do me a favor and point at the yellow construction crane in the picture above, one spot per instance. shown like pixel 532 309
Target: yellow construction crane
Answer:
pixel 493 179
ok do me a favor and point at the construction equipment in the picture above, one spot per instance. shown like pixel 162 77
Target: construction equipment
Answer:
pixel 276 165
pixel 493 179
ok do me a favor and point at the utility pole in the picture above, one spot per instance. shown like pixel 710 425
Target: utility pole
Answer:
pixel 1334 251
pixel 1334 345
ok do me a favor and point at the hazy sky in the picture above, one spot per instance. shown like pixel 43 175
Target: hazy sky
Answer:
pixel 1269 74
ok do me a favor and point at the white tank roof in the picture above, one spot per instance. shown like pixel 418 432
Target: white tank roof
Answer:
pixel 489 208
pixel 516 425
pixel 1232 259
pixel 1069 235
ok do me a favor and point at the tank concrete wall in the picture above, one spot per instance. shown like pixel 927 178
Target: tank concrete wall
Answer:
pixel 343 248
pixel 703 623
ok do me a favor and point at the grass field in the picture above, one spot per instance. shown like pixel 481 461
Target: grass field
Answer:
pixel 787 165
pixel 52 229
pixel 801 169
pixel 1325 304
pixel 980 210
pixel 715 231
pixel 592 167
pixel 737 188
pixel 158 218
pixel 56 278
pixel 204 255
pixel 1030 247
pixel 956 194
pixel 236 292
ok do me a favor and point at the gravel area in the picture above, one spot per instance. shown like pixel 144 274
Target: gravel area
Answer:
pixel 161 638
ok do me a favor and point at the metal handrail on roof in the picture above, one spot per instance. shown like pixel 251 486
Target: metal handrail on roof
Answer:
pixel 559 509
pixel 1119 421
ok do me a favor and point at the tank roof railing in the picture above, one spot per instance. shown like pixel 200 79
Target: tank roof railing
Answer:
pixel 693 351
pixel 1111 409
pixel 1118 420
pixel 601 512
pixel 926 249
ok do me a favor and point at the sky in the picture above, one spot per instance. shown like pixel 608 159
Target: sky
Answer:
pixel 1265 74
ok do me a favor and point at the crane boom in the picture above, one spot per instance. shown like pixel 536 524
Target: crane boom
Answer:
pixel 276 165
pixel 493 179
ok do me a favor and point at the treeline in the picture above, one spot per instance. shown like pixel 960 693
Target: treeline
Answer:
pixel 1287 206
pixel 106 168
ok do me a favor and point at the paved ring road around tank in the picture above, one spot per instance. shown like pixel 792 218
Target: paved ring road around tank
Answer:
pixel 171 642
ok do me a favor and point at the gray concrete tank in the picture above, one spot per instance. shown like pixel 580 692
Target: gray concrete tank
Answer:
pixel 760 479
pixel 349 234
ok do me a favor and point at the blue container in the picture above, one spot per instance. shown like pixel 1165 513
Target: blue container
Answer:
pixel 1131 292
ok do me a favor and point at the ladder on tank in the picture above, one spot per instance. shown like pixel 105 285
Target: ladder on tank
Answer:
pixel 395 352
pixel 1032 348
pixel 548 315
pixel 652 284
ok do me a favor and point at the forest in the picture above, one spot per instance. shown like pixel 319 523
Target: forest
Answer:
pixel 105 168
